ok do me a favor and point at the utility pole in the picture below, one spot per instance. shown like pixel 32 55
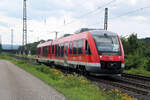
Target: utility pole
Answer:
pixel 12 39
pixel 24 37
pixel 106 19
pixel 56 33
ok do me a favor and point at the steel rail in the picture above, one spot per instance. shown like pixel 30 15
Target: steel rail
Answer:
pixel 139 77
pixel 122 85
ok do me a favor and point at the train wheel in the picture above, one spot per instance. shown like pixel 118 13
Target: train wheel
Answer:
pixel 84 71
pixel 81 70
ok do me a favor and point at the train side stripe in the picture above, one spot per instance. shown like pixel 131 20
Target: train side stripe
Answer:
pixel 73 62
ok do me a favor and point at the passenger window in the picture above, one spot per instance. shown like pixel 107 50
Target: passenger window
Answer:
pixel 56 49
pixel 87 48
pixel 70 48
pixel 74 47
pixel 52 49
pixel 66 48
pixel 80 47
pixel 62 50
pixel 49 50
pixel 59 50
pixel 43 51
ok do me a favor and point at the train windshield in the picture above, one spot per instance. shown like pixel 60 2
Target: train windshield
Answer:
pixel 107 45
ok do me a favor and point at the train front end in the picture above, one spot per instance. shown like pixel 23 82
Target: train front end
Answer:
pixel 110 52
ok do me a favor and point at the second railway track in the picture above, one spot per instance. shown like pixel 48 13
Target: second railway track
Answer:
pixel 127 85
pixel 139 77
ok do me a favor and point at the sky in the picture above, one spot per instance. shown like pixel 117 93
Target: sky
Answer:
pixel 67 16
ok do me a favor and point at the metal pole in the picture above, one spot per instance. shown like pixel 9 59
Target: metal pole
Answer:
pixel 106 19
pixel 24 41
pixel 56 34
pixel 12 39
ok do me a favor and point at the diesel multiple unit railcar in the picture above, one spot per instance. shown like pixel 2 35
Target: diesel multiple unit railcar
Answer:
pixel 98 52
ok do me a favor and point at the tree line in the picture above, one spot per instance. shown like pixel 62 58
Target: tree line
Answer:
pixel 137 52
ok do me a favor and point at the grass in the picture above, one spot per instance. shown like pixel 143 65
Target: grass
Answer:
pixel 72 87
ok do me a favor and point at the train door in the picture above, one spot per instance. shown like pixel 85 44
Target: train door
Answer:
pixel 66 54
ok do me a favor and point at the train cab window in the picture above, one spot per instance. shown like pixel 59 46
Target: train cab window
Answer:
pixel 52 49
pixel 80 47
pixel 74 47
pixel 70 48
pixel 107 45
pixel 87 48
pixel 66 48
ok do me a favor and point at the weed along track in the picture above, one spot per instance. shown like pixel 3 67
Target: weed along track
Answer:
pixel 126 82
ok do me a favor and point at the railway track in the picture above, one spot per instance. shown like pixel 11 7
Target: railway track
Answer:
pixel 125 82
pixel 139 77
pixel 127 85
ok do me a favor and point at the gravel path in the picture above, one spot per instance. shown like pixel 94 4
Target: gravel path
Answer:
pixel 16 84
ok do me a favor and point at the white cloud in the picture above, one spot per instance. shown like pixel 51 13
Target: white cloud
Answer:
pixel 133 2
pixel 126 27
pixel 128 2
pixel 10 21
pixel 140 18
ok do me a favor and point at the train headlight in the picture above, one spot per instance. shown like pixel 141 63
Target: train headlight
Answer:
pixel 101 57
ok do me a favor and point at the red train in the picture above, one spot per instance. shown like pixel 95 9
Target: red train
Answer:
pixel 95 51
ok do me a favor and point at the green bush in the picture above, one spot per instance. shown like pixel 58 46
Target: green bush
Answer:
pixel 135 61
pixel 147 67
pixel 132 61
pixel 43 69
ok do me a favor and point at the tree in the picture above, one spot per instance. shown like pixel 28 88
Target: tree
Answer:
pixel 133 42
pixel 125 44
pixel 31 47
